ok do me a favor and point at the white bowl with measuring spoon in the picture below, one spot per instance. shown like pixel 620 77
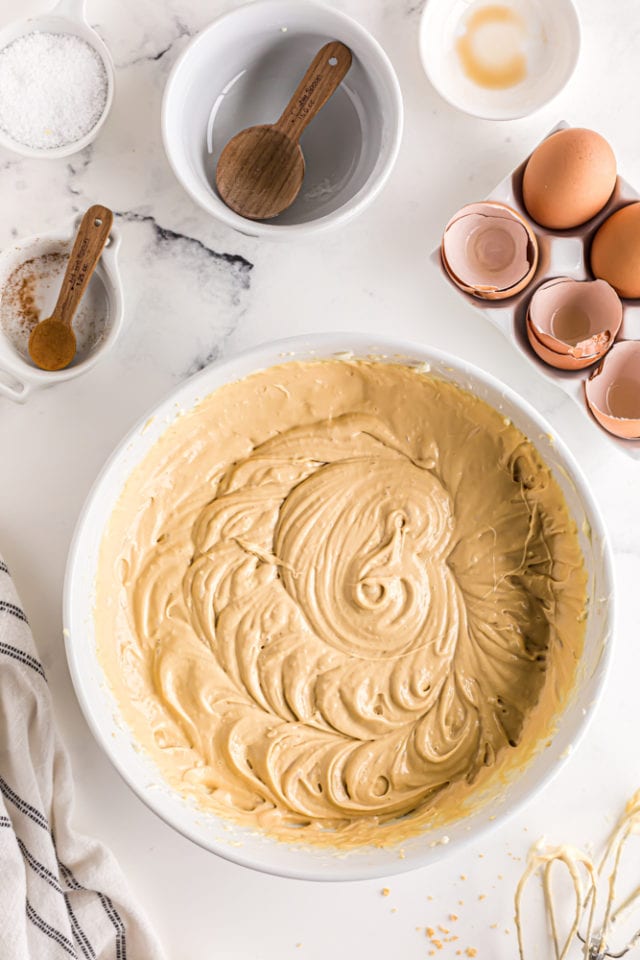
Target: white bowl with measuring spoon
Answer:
pixel 241 70
pixel 66 18
pixel 103 301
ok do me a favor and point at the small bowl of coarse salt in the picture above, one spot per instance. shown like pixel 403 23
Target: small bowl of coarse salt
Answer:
pixel 56 83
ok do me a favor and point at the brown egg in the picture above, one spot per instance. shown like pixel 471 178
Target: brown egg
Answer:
pixel 613 390
pixel 489 251
pixel 572 323
pixel 569 178
pixel 615 251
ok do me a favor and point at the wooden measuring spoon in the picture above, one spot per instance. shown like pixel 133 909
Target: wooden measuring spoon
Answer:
pixel 52 344
pixel 261 169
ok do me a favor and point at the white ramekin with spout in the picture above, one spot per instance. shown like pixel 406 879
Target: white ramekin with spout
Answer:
pixel 19 377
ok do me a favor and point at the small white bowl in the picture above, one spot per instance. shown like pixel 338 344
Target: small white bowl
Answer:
pixel 18 376
pixel 242 70
pixel 256 849
pixel 552 49
pixel 67 17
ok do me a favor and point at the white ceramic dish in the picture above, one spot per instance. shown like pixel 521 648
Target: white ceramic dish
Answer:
pixel 18 376
pixel 242 70
pixel 552 48
pixel 257 850
pixel 67 17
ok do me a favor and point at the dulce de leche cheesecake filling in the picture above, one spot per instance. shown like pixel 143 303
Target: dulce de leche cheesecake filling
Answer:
pixel 335 597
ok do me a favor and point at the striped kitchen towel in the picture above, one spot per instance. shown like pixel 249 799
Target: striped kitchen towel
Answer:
pixel 61 895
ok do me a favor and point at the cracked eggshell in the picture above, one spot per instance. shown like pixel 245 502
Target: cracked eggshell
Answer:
pixel 572 323
pixel 613 390
pixel 561 361
pixel 489 250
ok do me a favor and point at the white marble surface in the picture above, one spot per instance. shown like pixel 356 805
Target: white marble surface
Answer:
pixel 195 290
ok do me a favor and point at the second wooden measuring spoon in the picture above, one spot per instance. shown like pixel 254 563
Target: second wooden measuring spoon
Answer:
pixel 261 169
pixel 52 344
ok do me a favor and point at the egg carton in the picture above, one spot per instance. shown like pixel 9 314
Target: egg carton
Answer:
pixel 561 254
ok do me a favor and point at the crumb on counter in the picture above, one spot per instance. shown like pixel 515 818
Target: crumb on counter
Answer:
pixel 385 891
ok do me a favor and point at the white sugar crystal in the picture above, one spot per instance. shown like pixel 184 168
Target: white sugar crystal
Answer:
pixel 53 89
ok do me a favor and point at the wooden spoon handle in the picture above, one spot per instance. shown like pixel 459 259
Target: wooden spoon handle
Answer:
pixel 91 238
pixel 327 71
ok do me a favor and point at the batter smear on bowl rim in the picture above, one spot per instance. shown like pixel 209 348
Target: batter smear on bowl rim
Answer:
pixel 337 598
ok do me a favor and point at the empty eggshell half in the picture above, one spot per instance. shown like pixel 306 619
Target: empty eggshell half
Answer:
pixel 613 390
pixel 575 321
pixel 561 361
pixel 542 351
pixel 489 251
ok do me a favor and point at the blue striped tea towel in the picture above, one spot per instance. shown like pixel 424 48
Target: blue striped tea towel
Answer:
pixel 61 894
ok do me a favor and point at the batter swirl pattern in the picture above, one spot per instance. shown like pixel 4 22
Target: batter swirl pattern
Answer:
pixel 333 632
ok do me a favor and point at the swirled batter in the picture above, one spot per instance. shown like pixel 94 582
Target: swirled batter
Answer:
pixel 335 596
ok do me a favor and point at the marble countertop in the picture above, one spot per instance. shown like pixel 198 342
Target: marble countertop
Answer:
pixel 195 291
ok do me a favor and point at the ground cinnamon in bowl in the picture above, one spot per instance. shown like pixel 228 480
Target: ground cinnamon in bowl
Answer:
pixel 29 295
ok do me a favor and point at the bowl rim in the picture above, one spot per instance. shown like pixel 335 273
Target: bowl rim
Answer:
pixel 369 190
pixel 359 345
pixel 502 113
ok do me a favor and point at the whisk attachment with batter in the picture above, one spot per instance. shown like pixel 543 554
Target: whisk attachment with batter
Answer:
pixel 588 881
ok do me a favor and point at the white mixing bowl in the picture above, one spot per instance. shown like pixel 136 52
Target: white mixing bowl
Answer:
pixel 258 850
pixel 242 70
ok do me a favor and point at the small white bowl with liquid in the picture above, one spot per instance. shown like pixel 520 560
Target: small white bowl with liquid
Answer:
pixel 242 70
pixel 499 59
